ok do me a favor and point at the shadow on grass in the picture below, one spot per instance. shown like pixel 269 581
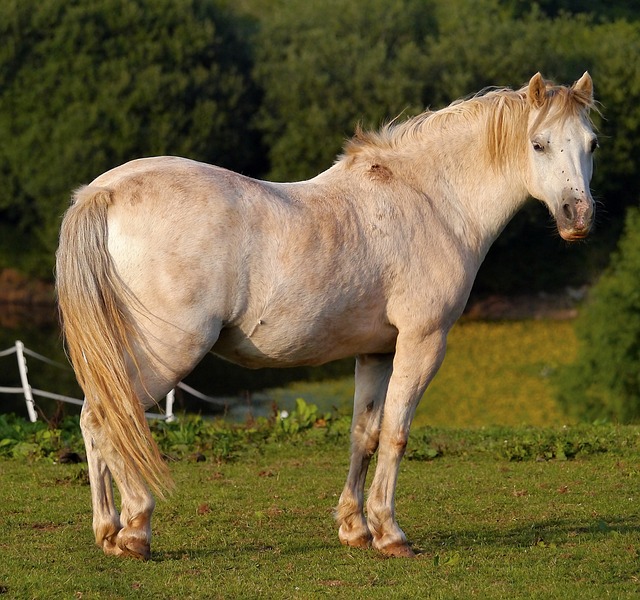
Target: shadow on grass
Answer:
pixel 545 534
pixel 530 534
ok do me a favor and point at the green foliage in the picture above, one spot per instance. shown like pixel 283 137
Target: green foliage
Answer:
pixel 617 176
pixel 303 417
pixel 326 66
pixel 188 437
pixel 518 444
pixel 603 9
pixel 21 439
pixel 194 438
pixel 85 86
pixel 604 381
pixel 274 87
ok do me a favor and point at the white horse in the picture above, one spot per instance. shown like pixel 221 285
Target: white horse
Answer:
pixel 163 259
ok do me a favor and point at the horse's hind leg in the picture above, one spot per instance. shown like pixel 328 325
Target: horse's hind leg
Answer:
pixel 372 378
pixel 130 533
pixel 106 520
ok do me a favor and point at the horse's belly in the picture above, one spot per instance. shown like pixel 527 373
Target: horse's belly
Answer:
pixel 266 345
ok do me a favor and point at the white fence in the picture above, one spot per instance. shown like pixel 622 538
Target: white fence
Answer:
pixel 28 392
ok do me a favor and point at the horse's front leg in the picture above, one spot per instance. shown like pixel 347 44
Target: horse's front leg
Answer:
pixel 130 533
pixel 416 361
pixel 106 520
pixel 372 379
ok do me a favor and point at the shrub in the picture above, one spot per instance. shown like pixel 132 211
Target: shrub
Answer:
pixel 604 381
pixel 85 86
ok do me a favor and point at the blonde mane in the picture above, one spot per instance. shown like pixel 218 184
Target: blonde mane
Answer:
pixel 503 112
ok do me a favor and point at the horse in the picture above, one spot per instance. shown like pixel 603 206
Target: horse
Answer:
pixel 162 260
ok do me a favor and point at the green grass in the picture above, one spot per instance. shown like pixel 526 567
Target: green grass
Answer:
pixel 487 523
pixel 494 509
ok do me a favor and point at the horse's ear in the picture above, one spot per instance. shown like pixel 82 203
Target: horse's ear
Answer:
pixel 584 86
pixel 537 91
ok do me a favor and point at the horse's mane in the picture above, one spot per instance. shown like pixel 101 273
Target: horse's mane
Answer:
pixel 503 110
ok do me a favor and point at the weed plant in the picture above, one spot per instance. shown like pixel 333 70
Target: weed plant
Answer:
pixel 193 438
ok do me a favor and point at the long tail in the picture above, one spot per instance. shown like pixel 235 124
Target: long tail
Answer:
pixel 100 337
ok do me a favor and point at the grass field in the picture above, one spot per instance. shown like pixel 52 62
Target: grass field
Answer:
pixel 493 508
pixel 260 526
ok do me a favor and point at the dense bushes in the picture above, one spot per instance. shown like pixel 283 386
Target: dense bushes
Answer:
pixel 85 86
pixel 604 381
pixel 272 88
pixel 326 66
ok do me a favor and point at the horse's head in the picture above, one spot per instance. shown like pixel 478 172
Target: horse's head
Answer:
pixel 561 143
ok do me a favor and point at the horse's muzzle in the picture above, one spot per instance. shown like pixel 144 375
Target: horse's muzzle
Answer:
pixel 575 218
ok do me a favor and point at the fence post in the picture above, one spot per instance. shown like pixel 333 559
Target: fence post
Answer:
pixel 169 409
pixel 28 396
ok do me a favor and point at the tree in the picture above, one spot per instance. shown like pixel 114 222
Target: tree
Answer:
pixel 618 91
pixel 602 9
pixel 326 66
pixel 85 86
pixel 273 87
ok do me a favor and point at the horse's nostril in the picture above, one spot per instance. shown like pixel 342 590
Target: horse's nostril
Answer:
pixel 566 209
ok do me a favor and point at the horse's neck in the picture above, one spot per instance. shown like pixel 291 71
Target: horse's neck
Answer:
pixel 477 199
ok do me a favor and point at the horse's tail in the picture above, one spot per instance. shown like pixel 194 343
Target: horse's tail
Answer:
pixel 100 337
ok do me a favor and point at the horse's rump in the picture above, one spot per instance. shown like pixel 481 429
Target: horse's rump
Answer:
pixel 99 334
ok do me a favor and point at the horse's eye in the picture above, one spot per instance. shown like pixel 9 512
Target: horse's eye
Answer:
pixel 537 146
pixel 594 145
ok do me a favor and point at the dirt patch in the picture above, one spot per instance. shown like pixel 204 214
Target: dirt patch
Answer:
pixel 556 306
pixel 24 300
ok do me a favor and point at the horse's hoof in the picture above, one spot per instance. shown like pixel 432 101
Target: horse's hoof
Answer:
pixel 356 537
pixel 362 541
pixel 397 550
pixel 134 545
pixel 131 549
pixel 110 549
pixel 137 550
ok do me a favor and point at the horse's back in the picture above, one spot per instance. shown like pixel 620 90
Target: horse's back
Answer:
pixel 271 274
pixel 284 270
pixel 166 214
